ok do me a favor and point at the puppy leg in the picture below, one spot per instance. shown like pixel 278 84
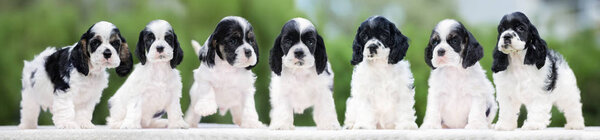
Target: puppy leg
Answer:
pixel 206 103
pixel 324 112
pixel 366 118
pixel 477 118
pixel 84 113
pixel 406 114
pixel 433 119
pixel 571 108
pixel 350 113
pixel 174 113
pixel 538 115
pixel 63 111
pixel 133 117
pixel 30 110
pixel 282 117
pixel 191 117
pixel 248 115
pixel 509 111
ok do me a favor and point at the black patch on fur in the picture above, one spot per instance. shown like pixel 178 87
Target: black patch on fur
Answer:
pixel 146 39
pixel 473 51
pixel 126 64
pixel 31 78
pixel 275 56
pixel 158 114
pixel 58 68
pixel 171 38
pixel 320 55
pixel 488 111
pixel 500 62
pixel 433 41
pixel 553 71
pixel 385 31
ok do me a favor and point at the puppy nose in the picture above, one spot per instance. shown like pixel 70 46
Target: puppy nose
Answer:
pixel 507 38
pixel 107 53
pixel 441 52
pixel 160 49
pixel 299 53
pixel 372 48
pixel 248 53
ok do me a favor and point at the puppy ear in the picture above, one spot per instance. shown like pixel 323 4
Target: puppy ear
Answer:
pixel 500 59
pixel 140 50
pixel 255 48
pixel 209 57
pixel 473 51
pixel 429 53
pixel 536 49
pixel 80 57
pixel 398 51
pixel 126 63
pixel 357 49
pixel 275 56
pixel 177 52
pixel 320 55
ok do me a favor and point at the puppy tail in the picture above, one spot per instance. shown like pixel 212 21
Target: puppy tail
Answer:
pixel 197 47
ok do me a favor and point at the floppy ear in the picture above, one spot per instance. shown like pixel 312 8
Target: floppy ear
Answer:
pixel 398 51
pixel 140 50
pixel 209 57
pixel 126 63
pixel 275 56
pixel 320 55
pixel 80 57
pixel 500 59
pixel 536 49
pixel 255 48
pixel 177 52
pixel 357 48
pixel 473 51
pixel 429 53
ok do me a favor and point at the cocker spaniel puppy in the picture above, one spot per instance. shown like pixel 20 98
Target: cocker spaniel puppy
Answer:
pixel 154 87
pixel 301 77
pixel 460 95
pixel 527 72
pixel 69 81
pixel 382 94
pixel 224 79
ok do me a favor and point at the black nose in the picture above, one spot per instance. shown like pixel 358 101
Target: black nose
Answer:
pixel 160 49
pixel 507 38
pixel 372 48
pixel 299 53
pixel 441 52
pixel 248 53
pixel 107 53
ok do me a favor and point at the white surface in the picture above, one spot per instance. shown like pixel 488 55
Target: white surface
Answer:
pixel 221 131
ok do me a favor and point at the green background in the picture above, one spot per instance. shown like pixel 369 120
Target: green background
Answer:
pixel 28 26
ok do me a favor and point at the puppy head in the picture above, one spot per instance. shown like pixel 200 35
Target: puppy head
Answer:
pixel 451 44
pixel 378 38
pixel 298 46
pixel 233 40
pixel 515 34
pixel 158 43
pixel 102 46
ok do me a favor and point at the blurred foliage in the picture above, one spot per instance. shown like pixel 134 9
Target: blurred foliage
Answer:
pixel 28 26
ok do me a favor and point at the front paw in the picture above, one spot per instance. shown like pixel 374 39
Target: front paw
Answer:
pixel 406 126
pixel 67 125
pixel 505 126
pixel 130 125
pixel 574 126
pixel 179 125
pixel 533 126
pixel 86 125
pixel 281 126
pixel 252 124
pixel 205 108
pixel 477 126
pixel 431 126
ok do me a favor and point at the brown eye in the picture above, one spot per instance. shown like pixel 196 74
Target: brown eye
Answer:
pixel 115 43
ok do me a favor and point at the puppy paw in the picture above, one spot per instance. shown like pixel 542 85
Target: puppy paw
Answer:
pixel 67 125
pixel 406 126
pixel 27 126
pixel 533 126
pixel 332 126
pixel 505 126
pixel 86 125
pixel 252 124
pixel 130 125
pixel 179 125
pixel 574 126
pixel 205 108
pixel 281 127
pixel 431 126
pixel 476 126
pixel 348 126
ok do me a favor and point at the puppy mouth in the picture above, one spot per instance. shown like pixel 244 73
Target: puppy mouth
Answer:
pixel 299 63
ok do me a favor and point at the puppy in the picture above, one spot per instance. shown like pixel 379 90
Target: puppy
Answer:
pixel 301 77
pixel 154 86
pixel 460 95
pixel 382 94
pixel 69 81
pixel 527 72
pixel 225 80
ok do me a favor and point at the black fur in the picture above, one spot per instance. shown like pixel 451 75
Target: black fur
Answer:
pixel 177 51
pixel 320 55
pixel 126 64
pixel 536 48
pixel 377 27
pixel 289 36
pixel 58 68
pixel 473 51
pixel 146 38
pixel 225 39
pixel 275 57
pixel 555 59
pixel 429 50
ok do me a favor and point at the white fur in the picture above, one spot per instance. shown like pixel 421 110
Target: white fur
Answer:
pixel 457 97
pixel 73 108
pixel 151 88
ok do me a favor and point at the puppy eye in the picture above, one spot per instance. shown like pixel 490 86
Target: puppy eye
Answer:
pixel 453 41
pixel 232 42
pixel 149 39
pixel 310 42
pixel 115 43
pixel 95 43
pixel 287 41
pixel 434 42
pixel 520 28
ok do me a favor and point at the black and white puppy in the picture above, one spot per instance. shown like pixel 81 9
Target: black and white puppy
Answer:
pixel 460 95
pixel 69 81
pixel 154 86
pixel 382 94
pixel 527 72
pixel 301 77
pixel 224 79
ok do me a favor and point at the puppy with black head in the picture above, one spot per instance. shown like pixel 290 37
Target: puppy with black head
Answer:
pixel 527 72
pixel 382 94
pixel 224 79
pixel 69 81
pixel 460 95
pixel 301 77
pixel 154 87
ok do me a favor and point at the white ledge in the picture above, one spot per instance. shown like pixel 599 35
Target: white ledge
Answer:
pixel 227 131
